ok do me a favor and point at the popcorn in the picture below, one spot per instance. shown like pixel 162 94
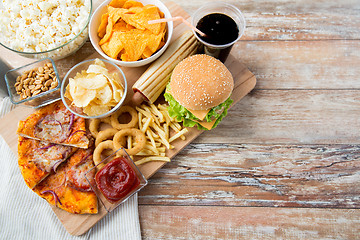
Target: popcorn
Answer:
pixel 41 25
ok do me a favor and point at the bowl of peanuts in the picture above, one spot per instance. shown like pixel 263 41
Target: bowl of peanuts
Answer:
pixel 34 85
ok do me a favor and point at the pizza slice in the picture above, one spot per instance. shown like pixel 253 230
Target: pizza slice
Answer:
pixel 36 159
pixel 67 188
pixel 55 124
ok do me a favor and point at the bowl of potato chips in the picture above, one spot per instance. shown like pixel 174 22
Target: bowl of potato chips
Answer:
pixel 119 31
pixel 94 88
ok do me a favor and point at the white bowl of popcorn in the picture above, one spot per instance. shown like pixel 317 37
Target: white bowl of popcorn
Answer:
pixel 44 28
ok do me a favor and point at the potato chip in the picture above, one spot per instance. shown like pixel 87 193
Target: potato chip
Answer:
pixel 95 90
pixel 116 87
pixel 128 36
pixel 92 81
pixel 95 109
pixel 104 95
pixel 82 97
pixel 97 69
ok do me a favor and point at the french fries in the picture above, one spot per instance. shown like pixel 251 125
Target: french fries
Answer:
pixel 156 123
pixel 154 158
pixel 157 129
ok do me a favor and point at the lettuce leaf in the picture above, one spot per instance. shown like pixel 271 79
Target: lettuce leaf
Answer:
pixel 180 113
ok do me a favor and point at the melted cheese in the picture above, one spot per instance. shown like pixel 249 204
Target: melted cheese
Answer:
pixel 207 125
pixel 45 159
pixel 76 175
pixel 200 114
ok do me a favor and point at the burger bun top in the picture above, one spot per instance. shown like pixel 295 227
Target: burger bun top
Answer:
pixel 201 82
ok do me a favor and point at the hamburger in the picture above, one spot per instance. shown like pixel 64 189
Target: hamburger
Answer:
pixel 199 91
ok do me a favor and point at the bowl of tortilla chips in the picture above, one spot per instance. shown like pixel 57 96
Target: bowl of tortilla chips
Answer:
pixel 120 32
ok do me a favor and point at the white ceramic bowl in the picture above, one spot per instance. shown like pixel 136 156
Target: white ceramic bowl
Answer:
pixel 94 38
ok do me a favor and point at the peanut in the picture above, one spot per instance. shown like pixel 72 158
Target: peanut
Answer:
pixel 33 82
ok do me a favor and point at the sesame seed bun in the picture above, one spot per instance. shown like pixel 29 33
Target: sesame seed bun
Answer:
pixel 201 82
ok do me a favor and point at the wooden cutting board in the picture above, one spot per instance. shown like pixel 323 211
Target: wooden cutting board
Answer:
pixel 79 224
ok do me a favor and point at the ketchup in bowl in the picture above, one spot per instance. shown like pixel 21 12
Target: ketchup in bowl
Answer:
pixel 116 179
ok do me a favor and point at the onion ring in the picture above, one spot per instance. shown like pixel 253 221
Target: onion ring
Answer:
pixel 119 140
pixel 106 120
pixel 100 148
pixel 95 124
pixel 115 118
pixel 106 134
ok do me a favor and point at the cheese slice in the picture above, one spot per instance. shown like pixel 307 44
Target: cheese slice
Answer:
pixel 207 125
pixel 200 114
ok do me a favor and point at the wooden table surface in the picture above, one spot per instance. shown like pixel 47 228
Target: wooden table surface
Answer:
pixel 285 162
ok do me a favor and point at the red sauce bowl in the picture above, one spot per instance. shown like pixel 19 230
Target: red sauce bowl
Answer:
pixel 116 180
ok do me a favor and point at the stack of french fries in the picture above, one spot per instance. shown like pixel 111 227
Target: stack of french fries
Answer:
pixel 156 123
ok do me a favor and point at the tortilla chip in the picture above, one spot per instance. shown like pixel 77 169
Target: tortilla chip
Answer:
pixel 134 10
pixel 147 53
pixel 127 34
pixel 113 47
pixel 149 12
pixel 154 42
pixel 130 3
pixel 115 13
pixel 117 3
pixel 135 42
pixel 161 14
pixel 128 18
pixel 129 27
pixel 120 26
pixel 108 33
pixel 103 24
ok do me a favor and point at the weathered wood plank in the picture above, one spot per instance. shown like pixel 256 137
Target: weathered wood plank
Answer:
pixel 302 64
pixel 259 175
pixel 291 116
pixel 189 222
pixel 277 65
pixel 295 20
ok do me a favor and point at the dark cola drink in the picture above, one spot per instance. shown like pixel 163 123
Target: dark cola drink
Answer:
pixel 220 30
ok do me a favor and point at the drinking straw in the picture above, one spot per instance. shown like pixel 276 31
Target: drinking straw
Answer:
pixel 176 19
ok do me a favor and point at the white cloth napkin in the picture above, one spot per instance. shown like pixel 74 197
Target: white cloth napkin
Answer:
pixel 24 215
